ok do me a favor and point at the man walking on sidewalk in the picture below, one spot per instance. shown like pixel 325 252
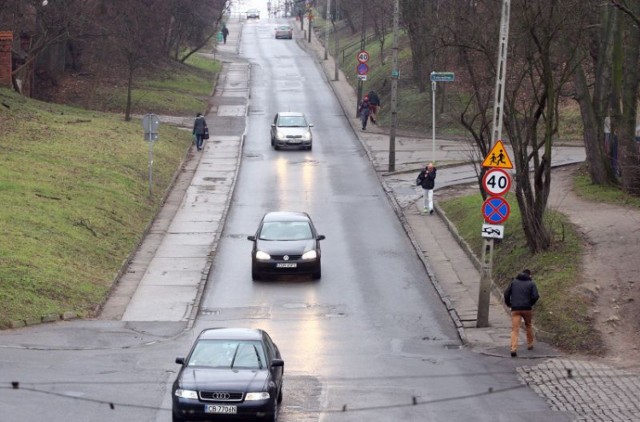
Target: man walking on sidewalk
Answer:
pixel 520 296
pixel 427 180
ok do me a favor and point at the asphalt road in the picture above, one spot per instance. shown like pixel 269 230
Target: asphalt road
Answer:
pixel 362 343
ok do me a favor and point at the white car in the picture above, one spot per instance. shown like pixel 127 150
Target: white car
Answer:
pixel 291 130
pixel 253 14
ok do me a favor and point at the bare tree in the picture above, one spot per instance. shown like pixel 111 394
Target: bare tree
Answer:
pixel 40 26
pixel 133 37
pixel 380 14
pixel 624 96
pixel 193 23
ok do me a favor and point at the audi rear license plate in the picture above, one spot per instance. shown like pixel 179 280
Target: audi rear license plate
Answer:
pixel 218 408
pixel 286 265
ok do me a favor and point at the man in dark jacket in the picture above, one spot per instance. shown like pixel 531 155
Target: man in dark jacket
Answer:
pixel 225 33
pixel 199 129
pixel 427 180
pixel 520 296
pixel 374 104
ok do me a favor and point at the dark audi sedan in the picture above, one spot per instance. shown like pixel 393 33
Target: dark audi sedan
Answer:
pixel 229 374
pixel 286 243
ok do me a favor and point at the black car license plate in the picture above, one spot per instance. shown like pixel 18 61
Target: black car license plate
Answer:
pixel 218 408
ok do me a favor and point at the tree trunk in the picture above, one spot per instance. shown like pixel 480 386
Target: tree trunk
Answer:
pixel 628 147
pixel 127 111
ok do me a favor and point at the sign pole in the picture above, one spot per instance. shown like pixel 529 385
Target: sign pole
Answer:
pixel 150 170
pixel 433 121
pixel 436 77
pixel 484 295
pixel 150 123
pixel 496 134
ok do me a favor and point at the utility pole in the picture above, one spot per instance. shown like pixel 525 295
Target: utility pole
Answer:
pixel 484 295
pixel 326 31
pixel 362 46
pixel 395 74
pixel 336 57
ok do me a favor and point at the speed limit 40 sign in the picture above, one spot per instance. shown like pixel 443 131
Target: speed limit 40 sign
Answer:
pixel 496 182
pixel 363 56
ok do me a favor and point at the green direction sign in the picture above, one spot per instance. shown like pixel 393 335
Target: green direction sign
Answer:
pixel 442 76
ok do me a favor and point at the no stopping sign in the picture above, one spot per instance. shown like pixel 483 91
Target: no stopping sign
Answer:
pixel 496 182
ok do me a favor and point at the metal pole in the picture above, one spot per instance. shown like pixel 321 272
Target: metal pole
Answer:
pixel 362 46
pixel 326 32
pixel 336 58
pixel 150 169
pixel 496 134
pixel 394 89
pixel 433 121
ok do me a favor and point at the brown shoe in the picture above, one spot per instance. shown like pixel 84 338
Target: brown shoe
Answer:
pixel 514 354
pixel 530 347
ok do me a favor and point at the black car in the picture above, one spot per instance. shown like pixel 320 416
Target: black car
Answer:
pixel 286 243
pixel 229 374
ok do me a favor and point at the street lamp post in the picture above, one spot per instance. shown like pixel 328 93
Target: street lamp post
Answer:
pixel 362 46
pixel 326 32
pixel 394 89
pixel 336 57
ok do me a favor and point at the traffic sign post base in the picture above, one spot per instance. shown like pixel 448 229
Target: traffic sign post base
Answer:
pixel 484 295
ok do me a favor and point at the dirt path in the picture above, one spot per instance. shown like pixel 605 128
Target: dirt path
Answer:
pixel 611 265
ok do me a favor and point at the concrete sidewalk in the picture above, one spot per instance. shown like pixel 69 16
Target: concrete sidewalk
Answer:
pixel 166 275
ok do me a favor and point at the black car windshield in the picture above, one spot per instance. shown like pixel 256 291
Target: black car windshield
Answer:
pixel 292 121
pixel 247 354
pixel 286 230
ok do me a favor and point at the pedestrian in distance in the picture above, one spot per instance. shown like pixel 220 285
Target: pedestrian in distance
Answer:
pixel 225 33
pixel 427 180
pixel 520 296
pixel 364 109
pixel 374 105
pixel 199 130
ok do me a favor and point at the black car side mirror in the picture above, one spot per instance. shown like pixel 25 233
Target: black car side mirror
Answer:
pixel 277 362
pixel 251 238
pixel 320 237
pixel 273 125
pixel 180 361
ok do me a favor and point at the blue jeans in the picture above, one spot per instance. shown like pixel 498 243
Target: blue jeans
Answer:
pixel 199 140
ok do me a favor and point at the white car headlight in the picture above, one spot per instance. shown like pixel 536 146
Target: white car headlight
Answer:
pixel 310 255
pixel 263 256
pixel 257 396
pixel 307 136
pixel 280 135
pixel 187 394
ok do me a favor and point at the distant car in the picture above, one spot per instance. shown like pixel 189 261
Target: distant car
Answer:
pixel 286 243
pixel 253 14
pixel 230 373
pixel 291 130
pixel 284 31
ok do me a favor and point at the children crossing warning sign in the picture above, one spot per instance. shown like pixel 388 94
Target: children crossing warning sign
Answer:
pixel 498 157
